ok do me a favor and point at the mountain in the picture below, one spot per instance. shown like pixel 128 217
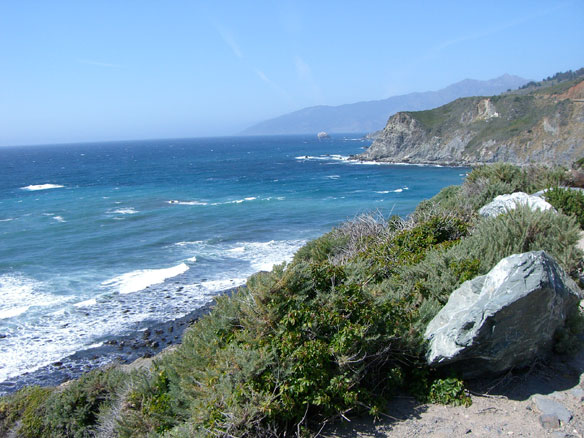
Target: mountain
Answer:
pixel 540 123
pixel 372 115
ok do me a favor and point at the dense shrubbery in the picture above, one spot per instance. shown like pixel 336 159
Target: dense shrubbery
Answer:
pixel 339 330
pixel 569 202
pixel 68 411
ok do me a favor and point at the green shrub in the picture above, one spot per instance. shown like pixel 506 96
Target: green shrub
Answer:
pixel 522 230
pixel 488 181
pixel 569 202
pixel 23 405
pixel 150 405
pixel 68 411
pixel 73 411
pixel 318 250
pixel 449 391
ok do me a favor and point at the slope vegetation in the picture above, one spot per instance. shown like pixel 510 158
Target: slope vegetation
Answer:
pixel 336 332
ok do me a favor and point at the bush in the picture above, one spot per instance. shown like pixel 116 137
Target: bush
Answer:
pixel 69 411
pixel 150 406
pixel 73 411
pixel 24 406
pixel 569 202
pixel 522 230
pixel 486 182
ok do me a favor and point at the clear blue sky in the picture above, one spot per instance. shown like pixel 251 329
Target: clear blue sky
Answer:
pixel 106 70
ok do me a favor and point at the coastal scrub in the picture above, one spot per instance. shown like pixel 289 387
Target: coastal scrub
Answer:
pixel 336 332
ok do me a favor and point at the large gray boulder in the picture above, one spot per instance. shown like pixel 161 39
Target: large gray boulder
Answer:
pixel 503 203
pixel 503 319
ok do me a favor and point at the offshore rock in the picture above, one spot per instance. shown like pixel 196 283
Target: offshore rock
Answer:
pixel 503 203
pixel 503 319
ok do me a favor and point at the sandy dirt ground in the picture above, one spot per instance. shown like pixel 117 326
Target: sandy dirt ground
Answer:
pixel 545 401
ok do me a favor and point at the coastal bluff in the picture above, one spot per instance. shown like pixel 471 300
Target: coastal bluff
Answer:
pixel 544 125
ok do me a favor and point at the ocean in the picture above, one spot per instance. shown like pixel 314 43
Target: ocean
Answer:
pixel 105 239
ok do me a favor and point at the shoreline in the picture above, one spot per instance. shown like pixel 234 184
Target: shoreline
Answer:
pixel 122 349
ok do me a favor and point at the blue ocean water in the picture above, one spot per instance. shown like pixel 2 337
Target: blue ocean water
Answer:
pixel 100 239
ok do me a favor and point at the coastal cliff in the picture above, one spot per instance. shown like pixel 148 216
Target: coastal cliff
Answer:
pixel 539 125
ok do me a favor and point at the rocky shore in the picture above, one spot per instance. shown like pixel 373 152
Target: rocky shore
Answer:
pixel 123 349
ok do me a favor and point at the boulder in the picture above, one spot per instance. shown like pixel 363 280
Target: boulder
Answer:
pixel 503 203
pixel 503 319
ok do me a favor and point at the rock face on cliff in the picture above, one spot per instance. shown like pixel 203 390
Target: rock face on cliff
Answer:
pixel 539 126
pixel 503 319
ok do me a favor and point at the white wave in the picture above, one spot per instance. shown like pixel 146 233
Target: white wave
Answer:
pixel 174 201
pixel 20 293
pixel 224 284
pixel 34 188
pixel 236 201
pixel 59 219
pixel 129 210
pixel 7 219
pixel 86 303
pixel 192 259
pixel 97 344
pixel 328 157
pixel 332 176
pixel 383 192
pixel 15 311
pixel 139 280
pixel 262 256
pixel 195 242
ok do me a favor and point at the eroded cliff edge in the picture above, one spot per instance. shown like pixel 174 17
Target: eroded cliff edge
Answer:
pixel 537 126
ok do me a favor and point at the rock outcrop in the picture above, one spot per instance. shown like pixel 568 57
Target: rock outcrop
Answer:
pixel 541 126
pixel 503 203
pixel 503 319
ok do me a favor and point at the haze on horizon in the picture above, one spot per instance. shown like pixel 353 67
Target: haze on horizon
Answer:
pixel 97 71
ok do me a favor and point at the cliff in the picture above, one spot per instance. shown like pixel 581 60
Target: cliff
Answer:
pixel 536 125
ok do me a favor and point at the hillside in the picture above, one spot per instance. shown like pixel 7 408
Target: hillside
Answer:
pixel 372 115
pixel 334 334
pixel 542 123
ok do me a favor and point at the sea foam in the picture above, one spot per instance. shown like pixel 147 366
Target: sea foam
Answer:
pixel 20 293
pixel 34 188
pixel 128 210
pixel 136 281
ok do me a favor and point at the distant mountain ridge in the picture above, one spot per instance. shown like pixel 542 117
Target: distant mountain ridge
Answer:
pixel 372 115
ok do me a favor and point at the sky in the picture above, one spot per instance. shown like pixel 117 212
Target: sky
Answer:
pixel 74 71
